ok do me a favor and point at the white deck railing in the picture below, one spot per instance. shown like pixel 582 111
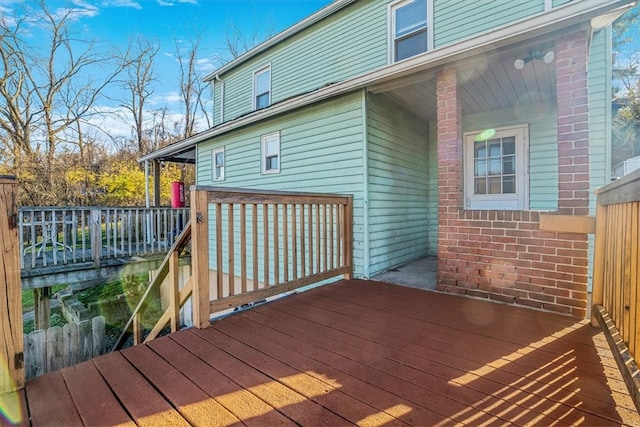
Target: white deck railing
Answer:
pixel 53 235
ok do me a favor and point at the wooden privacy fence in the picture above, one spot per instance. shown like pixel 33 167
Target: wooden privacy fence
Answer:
pixel 60 347
pixel 264 243
pixel 616 275
pixel 52 236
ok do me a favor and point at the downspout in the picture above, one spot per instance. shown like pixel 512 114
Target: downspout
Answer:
pixel 365 187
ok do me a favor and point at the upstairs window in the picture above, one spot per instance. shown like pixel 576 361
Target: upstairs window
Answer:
pixel 409 34
pixel 271 153
pixel 262 88
pixel 495 165
pixel 218 165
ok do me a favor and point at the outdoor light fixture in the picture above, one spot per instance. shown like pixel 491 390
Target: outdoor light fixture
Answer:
pixel 547 57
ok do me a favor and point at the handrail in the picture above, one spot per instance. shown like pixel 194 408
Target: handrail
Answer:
pixel 265 243
pixel 169 265
pixel 65 235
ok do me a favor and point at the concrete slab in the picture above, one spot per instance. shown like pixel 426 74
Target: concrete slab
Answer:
pixel 420 273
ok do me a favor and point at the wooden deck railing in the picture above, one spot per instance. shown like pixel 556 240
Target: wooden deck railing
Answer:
pixel 264 243
pixel 616 274
pixel 168 270
pixel 52 236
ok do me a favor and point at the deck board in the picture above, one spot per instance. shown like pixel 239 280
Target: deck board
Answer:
pixel 93 398
pixel 352 353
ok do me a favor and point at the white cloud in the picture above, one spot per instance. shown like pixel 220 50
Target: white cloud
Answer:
pixel 122 3
pixel 205 65
pixel 80 9
pixel 173 2
pixel 167 98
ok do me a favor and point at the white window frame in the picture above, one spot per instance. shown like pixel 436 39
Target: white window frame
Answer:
pixel 258 72
pixel 265 139
pixel 217 177
pixel 516 201
pixel 391 25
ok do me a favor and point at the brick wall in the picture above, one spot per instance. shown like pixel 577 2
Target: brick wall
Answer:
pixel 503 255
pixel 573 123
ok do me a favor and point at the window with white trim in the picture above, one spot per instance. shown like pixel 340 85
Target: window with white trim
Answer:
pixel 409 35
pixel 218 164
pixel 495 166
pixel 262 88
pixel 271 153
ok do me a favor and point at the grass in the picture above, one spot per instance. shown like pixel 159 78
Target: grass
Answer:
pixel 27 297
pixel 115 301
pixel 57 319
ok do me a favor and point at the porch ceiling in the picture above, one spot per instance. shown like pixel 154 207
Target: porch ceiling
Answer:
pixel 486 84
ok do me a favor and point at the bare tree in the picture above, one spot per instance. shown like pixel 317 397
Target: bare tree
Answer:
pixel 16 117
pixel 139 81
pixel 237 41
pixel 47 94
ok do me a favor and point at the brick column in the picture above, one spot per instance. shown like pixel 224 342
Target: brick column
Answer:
pixel 573 123
pixel 450 181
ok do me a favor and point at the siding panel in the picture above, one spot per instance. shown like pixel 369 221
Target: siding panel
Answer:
pixel 398 185
pixel 599 121
pixel 321 151
pixel 316 56
pixel 455 20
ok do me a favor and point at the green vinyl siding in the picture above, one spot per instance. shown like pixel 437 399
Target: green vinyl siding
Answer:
pixel 432 193
pixel 599 111
pixel 557 3
pixel 321 151
pixel 600 80
pixel 347 43
pixel 455 20
pixel 543 148
pixel 398 192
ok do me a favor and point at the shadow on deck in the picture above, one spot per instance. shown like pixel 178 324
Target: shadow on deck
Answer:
pixel 355 352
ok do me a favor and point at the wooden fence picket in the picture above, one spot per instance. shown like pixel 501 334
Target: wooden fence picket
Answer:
pixel 60 347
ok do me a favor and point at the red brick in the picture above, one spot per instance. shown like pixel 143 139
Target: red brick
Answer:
pixel 503 298
pixel 529 303
pixel 478 294
pixel 571 302
pixel 556 308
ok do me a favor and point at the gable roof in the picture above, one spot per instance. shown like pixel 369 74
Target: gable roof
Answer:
pixel 289 32
pixel 571 14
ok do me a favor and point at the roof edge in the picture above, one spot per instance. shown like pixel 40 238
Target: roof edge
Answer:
pixel 564 16
pixel 281 36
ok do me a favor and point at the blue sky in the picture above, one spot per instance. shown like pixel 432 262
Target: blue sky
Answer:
pixel 115 22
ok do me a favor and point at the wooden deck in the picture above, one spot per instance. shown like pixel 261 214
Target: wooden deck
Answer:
pixel 354 352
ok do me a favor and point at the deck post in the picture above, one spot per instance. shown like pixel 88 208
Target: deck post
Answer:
pixel 200 257
pixel 42 305
pixel 95 228
pixel 348 238
pixel 597 292
pixel 12 341
pixel 156 183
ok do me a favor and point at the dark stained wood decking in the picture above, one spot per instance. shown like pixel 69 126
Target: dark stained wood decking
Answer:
pixel 354 352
